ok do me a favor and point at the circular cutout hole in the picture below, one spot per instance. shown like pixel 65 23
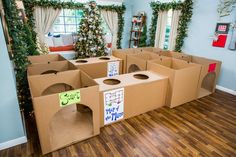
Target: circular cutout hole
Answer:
pixel 81 61
pixel 141 76
pixel 104 58
pixel 49 72
pixel 111 81
pixel 133 68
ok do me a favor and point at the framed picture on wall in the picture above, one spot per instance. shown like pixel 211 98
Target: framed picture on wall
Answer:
pixel 222 28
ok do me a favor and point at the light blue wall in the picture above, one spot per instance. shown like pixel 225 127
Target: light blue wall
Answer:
pixel 199 42
pixel 10 120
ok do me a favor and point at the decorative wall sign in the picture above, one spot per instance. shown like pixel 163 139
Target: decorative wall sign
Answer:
pixel 221 34
pixel 113 68
pixel 113 105
pixel 69 98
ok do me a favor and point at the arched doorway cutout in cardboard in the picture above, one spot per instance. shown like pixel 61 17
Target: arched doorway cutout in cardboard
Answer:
pixel 133 68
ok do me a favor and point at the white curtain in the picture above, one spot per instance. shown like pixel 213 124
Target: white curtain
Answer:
pixel 44 20
pixel 174 26
pixel 161 29
pixel 111 18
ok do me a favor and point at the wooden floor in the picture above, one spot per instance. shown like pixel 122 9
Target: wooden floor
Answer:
pixel 206 127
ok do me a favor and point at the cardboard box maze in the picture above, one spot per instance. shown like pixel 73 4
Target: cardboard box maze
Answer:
pixel 66 107
pixel 72 100
pixel 99 67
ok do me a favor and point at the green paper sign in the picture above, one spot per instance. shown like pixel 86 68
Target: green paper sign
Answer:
pixel 69 98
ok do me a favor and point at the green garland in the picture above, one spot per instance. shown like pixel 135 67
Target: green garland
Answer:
pixel 22 45
pixel 30 4
pixel 186 10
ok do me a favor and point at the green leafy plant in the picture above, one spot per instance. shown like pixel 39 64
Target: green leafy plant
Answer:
pixel 186 14
pixel 143 38
pixel 22 45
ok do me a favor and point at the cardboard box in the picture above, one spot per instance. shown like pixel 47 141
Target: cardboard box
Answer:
pixel 177 55
pixel 123 53
pixel 183 79
pixel 66 107
pixel 129 95
pixel 210 70
pixel 99 67
pixel 45 58
pixel 138 62
pixel 51 67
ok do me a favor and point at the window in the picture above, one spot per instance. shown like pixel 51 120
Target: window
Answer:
pixel 168 29
pixel 68 21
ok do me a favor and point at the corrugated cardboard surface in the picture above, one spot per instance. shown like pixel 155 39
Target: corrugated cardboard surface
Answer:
pixel 140 95
pixel 176 55
pixel 59 127
pixel 207 80
pixel 138 62
pixel 45 58
pixel 96 67
pixel 183 80
pixel 51 67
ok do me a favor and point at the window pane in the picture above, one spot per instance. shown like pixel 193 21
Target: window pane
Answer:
pixel 79 13
pixel 70 28
pixel 69 12
pixel 59 20
pixel 69 20
pixel 59 28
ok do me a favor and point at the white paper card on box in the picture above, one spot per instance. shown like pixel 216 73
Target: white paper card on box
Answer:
pixel 113 68
pixel 113 105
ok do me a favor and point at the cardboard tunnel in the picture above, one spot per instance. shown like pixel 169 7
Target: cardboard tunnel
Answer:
pixel 99 67
pixel 210 71
pixel 129 95
pixel 138 62
pixel 183 79
pixel 45 59
pixel 66 107
pixel 51 67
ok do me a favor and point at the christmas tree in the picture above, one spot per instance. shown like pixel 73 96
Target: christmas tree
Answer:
pixel 90 35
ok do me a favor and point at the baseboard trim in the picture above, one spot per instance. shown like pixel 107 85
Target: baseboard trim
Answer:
pixel 13 143
pixel 227 90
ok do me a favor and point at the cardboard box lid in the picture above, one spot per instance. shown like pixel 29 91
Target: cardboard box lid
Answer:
pixel 45 58
pixel 95 60
pixel 146 55
pixel 52 67
pixel 128 80
pixel 174 64
pixel 41 85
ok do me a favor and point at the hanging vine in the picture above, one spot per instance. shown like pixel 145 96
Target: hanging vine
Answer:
pixel 185 17
pixel 30 4
pixel 22 45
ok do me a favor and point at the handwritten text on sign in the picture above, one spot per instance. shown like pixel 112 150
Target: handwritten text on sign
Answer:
pixel 69 98
pixel 113 105
pixel 113 68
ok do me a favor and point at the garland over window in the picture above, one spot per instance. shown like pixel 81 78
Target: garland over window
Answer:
pixel 30 4
pixel 186 14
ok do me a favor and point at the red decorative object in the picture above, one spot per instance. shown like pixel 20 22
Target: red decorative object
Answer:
pixel 61 48
pixel 212 67
pixel 221 41
pixel 109 45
